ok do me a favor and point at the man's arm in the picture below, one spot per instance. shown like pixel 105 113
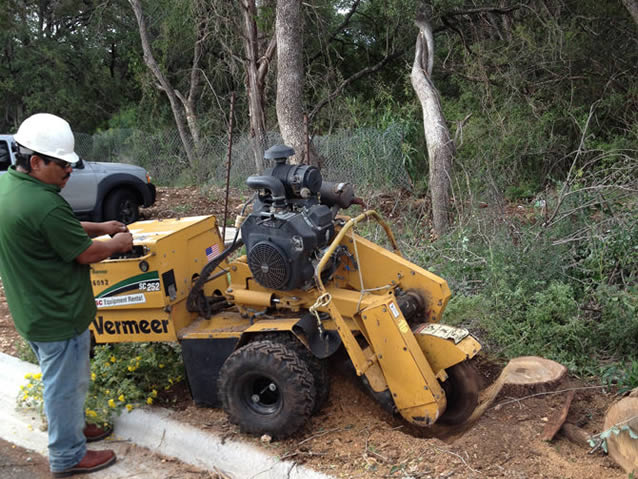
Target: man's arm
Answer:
pixel 104 228
pixel 99 250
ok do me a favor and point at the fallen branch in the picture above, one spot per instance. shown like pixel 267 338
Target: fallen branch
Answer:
pixel 301 453
pixel 328 431
pixel 459 456
pixel 548 393
pixel 297 452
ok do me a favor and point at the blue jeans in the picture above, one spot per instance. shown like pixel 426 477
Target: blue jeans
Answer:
pixel 65 376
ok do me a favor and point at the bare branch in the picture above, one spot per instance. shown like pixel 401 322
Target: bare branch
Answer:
pixel 475 11
pixel 351 79
pixel 266 58
pixel 172 93
pixel 338 30
pixel 568 180
pixel 458 135
pixel 632 7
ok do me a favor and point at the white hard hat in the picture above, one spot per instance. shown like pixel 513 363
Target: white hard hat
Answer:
pixel 49 135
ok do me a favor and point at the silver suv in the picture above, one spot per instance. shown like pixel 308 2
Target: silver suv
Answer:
pixel 99 191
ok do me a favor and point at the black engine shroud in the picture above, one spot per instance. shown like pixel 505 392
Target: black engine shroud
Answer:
pixel 292 220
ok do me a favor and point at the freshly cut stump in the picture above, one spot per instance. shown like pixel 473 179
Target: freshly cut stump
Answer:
pixel 622 447
pixel 531 374
pixel 522 376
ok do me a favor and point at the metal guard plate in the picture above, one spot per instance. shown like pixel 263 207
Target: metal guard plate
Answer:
pixel 443 331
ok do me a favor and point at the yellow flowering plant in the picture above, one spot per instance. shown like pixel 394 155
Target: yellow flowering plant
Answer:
pixel 123 376
pixel 31 393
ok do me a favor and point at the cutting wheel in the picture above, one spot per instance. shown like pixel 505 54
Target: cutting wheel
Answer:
pixel 462 392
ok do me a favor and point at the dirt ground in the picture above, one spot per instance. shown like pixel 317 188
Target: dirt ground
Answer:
pixel 353 437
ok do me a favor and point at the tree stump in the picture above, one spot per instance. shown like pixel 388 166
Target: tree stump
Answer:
pixel 522 376
pixel 622 447
pixel 530 375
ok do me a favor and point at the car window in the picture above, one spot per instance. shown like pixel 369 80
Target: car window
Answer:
pixel 5 159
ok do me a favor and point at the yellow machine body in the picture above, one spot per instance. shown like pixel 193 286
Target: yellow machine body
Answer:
pixel 143 298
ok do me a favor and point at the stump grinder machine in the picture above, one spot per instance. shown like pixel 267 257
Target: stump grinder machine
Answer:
pixel 257 325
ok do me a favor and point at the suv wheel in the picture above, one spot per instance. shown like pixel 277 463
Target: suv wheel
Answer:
pixel 122 205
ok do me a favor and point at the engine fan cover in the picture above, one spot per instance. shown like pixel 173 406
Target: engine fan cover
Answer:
pixel 269 265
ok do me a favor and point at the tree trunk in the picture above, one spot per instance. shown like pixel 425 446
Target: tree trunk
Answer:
pixel 188 103
pixel 437 136
pixel 290 76
pixel 171 93
pixel 632 6
pixel 255 84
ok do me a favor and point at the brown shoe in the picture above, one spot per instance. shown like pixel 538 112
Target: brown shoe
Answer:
pixel 91 462
pixel 93 433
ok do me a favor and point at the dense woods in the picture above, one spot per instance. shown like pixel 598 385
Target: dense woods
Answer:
pixel 535 216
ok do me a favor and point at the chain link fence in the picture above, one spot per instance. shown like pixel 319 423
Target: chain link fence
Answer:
pixel 369 158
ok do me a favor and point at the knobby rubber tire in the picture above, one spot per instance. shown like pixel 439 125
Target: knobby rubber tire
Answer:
pixel 266 388
pixel 318 367
pixel 321 375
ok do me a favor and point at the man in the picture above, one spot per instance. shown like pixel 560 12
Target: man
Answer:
pixel 45 254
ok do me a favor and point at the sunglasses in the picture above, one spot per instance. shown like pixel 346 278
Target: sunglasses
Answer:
pixel 61 163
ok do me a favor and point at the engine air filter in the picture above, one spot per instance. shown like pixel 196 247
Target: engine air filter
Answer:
pixel 268 265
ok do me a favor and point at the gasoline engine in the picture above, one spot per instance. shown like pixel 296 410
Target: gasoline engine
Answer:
pixel 292 222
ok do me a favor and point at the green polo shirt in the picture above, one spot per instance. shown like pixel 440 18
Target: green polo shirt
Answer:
pixel 49 293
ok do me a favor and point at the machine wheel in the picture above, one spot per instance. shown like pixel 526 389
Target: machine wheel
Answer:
pixel 461 391
pixel 266 387
pixel 322 383
pixel 319 370
pixel 317 367
pixel 122 205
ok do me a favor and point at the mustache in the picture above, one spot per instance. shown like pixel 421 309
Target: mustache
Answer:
pixel 66 176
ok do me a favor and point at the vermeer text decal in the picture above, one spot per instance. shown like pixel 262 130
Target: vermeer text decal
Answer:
pixel 154 326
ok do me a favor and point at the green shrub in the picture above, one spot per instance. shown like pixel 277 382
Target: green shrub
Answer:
pixel 467 311
pixel 522 191
pixel 126 375
pixel 624 376
pixel 25 352
pixel 611 255
pixel 545 323
pixel 567 292
pixel 615 327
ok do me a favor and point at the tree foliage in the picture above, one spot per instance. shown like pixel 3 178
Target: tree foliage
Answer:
pixel 71 58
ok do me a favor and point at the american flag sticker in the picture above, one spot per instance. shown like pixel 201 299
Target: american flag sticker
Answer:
pixel 212 252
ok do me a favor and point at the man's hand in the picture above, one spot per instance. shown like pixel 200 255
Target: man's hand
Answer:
pixel 123 242
pixel 99 250
pixel 113 227
pixel 105 228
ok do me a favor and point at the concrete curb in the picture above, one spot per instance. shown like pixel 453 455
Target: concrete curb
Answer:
pixel 152 429
pixel 18 427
